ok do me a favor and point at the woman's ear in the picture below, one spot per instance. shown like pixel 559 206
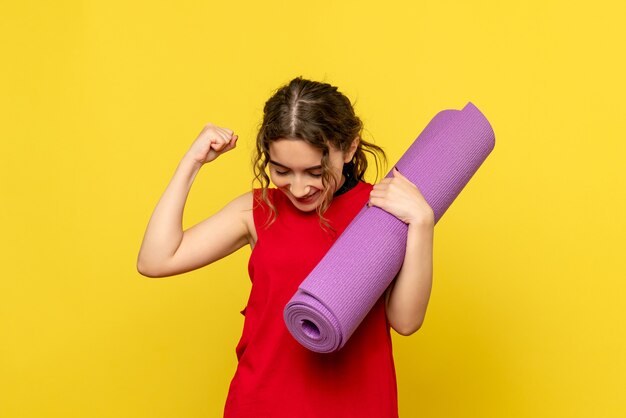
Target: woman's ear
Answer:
pixel 352 150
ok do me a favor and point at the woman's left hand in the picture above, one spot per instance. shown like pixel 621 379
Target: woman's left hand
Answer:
pixel 398 196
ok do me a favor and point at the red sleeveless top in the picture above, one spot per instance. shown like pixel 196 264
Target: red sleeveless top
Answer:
pixel 276 376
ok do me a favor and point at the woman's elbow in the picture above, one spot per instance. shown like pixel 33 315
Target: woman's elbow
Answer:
pixel 408 329
pixel 145 270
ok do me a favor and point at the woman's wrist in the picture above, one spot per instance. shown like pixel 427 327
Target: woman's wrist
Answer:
pixel 189 162
pixel 423 221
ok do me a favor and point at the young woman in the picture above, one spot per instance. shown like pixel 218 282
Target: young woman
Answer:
pixel 310 143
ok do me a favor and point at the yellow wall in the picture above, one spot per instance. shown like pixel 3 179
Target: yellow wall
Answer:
pixel 100 100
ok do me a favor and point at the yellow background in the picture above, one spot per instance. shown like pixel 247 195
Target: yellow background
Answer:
pixel 100 100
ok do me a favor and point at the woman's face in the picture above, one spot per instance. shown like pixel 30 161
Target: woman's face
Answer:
pixel 295 169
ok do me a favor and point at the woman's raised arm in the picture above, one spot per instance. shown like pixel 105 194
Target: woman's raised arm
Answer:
pixel 167 249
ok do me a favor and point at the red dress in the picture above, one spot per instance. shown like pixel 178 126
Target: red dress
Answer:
pixel 276 376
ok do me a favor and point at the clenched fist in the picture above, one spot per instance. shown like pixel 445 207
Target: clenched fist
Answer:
pixel 212 142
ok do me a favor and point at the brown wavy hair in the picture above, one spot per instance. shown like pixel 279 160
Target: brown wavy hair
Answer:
pixel 319 114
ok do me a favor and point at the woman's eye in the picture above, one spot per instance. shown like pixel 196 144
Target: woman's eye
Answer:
pixel 284 173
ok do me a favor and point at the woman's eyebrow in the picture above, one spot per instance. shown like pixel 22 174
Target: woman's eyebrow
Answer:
pixel 284 166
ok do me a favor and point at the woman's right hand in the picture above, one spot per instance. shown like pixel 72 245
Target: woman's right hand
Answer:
pixel 212 142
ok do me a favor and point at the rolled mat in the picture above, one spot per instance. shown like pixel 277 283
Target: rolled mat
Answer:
pixel 355 272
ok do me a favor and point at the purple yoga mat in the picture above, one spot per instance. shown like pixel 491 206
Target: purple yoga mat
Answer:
pixel 341 290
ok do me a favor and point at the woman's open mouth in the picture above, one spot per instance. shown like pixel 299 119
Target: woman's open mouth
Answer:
pixel 309 199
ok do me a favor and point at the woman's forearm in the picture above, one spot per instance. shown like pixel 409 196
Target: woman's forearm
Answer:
pixel 164 232
pixel 410 294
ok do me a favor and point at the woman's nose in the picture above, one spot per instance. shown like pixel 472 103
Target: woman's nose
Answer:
pixel 298 189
